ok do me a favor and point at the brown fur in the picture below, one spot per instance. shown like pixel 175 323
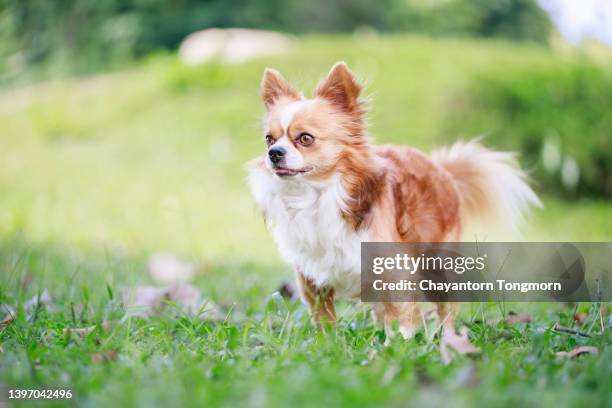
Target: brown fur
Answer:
pixel 396 194
pixel 276 88
pixel 320 300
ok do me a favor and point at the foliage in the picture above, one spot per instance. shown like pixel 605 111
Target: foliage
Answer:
pixel 520 20
pixel 266 351
pixel 46 38
pixel 556 115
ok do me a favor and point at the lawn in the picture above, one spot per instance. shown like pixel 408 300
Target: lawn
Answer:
pixel 97 174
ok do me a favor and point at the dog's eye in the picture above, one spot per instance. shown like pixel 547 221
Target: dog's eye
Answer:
pixel 305 139
pixel 269 140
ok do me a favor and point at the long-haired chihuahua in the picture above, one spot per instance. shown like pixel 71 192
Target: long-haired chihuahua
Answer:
pixel 324 189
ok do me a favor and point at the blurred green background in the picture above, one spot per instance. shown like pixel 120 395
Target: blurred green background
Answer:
pixel 109 139
pixel 67 36
pixel 112 149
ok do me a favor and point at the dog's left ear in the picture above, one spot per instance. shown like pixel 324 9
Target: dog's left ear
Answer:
pixel 340 88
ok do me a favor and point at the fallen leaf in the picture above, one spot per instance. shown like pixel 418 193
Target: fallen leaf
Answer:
pixel 8 319
pixel 146 301
pixel 41 300
pixel 512 318
pixel 186 296
pixel 580 318
pixel 168 269
pixel 519 318
pixel 98 358
pixel 577 352
pixel 458 343
pixel 83 311
pixel 189 299
pixel 142 301
pixel 86 331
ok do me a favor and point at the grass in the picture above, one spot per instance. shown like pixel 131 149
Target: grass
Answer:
pixel 99 173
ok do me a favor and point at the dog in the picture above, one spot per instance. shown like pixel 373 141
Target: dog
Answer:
pixel 323 189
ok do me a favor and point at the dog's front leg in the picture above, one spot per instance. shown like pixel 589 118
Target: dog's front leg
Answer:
pixel 406 314
pixel 319 300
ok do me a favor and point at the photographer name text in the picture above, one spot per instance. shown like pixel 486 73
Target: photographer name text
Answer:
pixel 500 284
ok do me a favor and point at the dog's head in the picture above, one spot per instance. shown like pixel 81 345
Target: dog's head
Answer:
pixel 308 137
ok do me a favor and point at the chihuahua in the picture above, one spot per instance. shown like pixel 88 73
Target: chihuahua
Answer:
pixel 324 189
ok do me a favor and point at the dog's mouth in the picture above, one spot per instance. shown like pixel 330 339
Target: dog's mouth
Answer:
pixel 285 172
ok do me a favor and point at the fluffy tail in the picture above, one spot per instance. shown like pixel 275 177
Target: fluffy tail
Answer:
pixel 490 183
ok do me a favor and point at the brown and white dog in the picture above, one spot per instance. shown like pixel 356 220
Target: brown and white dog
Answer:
pixel 324 189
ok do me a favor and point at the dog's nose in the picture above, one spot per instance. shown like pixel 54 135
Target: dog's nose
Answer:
pixel 276 154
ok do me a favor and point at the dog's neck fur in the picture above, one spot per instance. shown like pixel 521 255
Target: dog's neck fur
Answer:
pixel 308 221
pixel 362 181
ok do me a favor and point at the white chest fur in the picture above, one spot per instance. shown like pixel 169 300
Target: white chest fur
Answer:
pixel 305 219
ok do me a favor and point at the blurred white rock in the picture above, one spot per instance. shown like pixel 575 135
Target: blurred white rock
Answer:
pixel 167 269
pixel 231 45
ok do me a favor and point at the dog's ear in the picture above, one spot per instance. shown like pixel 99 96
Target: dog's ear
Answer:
pixel 341 88
pixel 274 87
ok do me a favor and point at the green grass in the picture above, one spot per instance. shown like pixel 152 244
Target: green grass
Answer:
pixel 96 174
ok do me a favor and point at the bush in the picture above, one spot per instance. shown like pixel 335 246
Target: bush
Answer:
pixel 557 116
pixel 518 20
pixel 76 36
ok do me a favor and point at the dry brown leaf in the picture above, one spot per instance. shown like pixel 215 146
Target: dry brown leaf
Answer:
pixel 458 343
pixel 580 318
pixel 577 352
pixel 168 269
pixel 8 319
pixel 519 318
pixel 513 318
